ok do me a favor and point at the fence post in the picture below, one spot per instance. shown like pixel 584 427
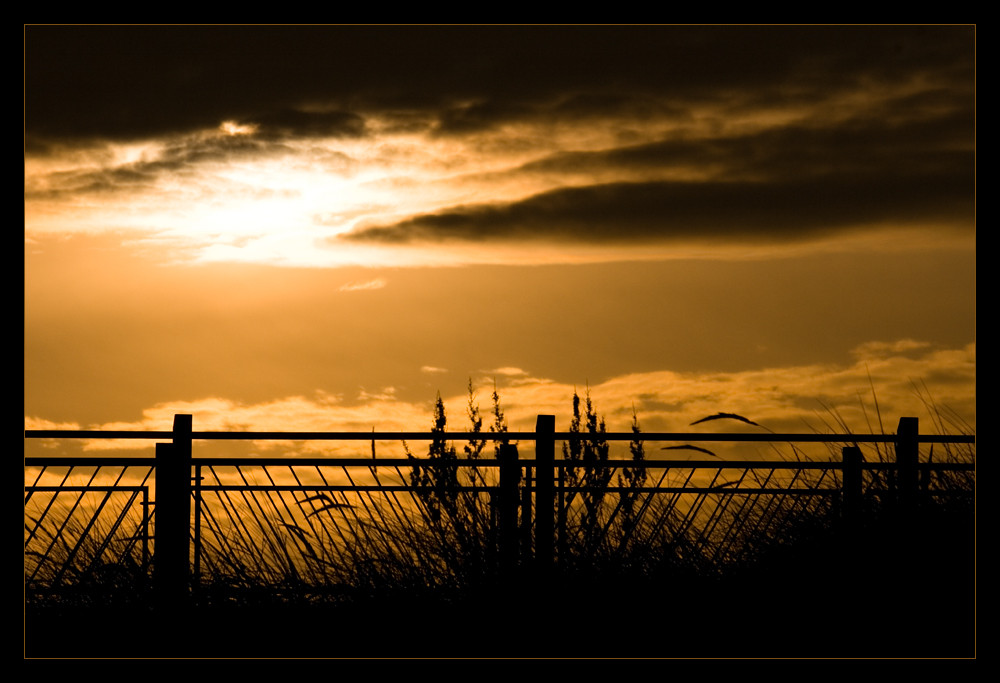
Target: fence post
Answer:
pixel 525 533
pixel 852 484
pixel 196 531
pixel 907 456
pixel 173 515
pixel 545 447
pixel 562 542
pixel 510 476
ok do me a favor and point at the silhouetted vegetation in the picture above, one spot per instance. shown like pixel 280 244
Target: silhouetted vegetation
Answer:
pixel 649 574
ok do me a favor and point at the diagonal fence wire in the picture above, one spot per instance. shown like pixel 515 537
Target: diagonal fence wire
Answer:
pixel 82 536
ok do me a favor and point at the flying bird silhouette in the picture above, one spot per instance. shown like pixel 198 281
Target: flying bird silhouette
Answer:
pixel 688 447
pixel 727 416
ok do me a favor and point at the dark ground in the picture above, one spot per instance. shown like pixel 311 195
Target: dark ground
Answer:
pixel 881 592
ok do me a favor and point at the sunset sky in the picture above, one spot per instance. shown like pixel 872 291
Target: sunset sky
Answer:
pixel 311 228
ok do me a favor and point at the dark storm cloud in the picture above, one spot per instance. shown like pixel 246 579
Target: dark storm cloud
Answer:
pixel 871 145
pixel 130 82
pixel 127 82
pixel 665 211
pixel 908 161
pixel 294 123
pixel 471 117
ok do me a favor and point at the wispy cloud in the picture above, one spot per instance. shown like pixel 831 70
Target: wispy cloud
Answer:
pixel 384 394
pixel 40 423
pixel 882 349
pixel 377 283
pixel 506 371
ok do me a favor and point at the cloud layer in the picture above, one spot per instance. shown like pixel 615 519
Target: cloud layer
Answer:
pixel 387 136
pixel 138 81
pixel 936 385
pixel 712 211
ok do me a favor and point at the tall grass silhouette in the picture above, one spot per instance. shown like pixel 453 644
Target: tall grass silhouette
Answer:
pixel 424 537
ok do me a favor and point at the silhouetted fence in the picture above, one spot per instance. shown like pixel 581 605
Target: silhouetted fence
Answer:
pixel 221 502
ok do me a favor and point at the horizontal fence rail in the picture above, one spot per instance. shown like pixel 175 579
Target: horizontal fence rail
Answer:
pixel 492 436
pixel 314 513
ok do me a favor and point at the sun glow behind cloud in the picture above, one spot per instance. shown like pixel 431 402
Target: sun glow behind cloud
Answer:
pixel 234 128
pixel 279 204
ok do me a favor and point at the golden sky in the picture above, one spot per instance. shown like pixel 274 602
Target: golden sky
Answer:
pixel 322 227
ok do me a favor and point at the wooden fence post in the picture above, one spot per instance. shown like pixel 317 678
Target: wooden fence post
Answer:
pixel 907 456
pixel 545 447
pixel 510 476
pixel 173 515
pixel 852 484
